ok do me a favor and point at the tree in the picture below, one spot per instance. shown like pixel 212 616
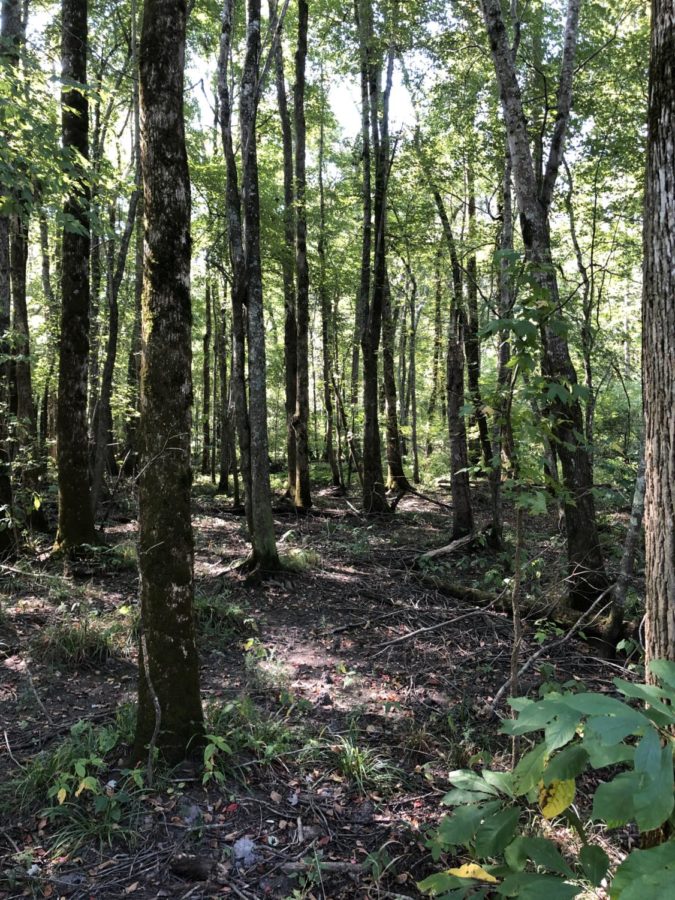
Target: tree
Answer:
pixel 303 499
pixel 76 520
pixel 586 571
pixel 659 338
pixel 169 707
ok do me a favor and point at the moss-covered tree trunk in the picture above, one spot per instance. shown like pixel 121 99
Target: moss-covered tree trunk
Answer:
pixel 76 521
pixel 659 338
pixel 7 531
pixel 169 672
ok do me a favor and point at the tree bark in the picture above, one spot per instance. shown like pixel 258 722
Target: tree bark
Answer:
pixel 206 386
pixel 374 499
pixel 8 538
pixel 263 539
pixel 169 673
pixel 287 263
pixel 587 576
pixel 303 498
pixel 76 521
pixel 327 331
pixel 659 338
pixel 103 417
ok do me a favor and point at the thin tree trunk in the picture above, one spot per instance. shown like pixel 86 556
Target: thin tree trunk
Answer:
pixel 303 499
pixel 471 339
pixel 206 384
pixel 76 521
pixel 8 537
pixel 287 259
pixel 374 499
pixel 659 339
pixel 103 418
pixel 629 549
pixel 462 513
pixel 396 477
pixel 325 306
pixel 264 542
pixel 436 381
pixel 169 705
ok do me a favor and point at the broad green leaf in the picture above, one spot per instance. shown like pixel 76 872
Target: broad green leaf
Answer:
pixel 594 862
pixel 533 717
pixel 569 763
pixel 503 781
pixel 541 851
pixel 646 875
pixel 461 825
pixel 529 770
pixel 613 729
pixel 613 801
pixel 664 669
pixel 496 832
pixel 654 800
pixel 648 753
pixel 561 730
pixel 600 756
pixel 530 886
pixel 470 781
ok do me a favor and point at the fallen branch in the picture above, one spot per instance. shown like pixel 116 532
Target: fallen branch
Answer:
pixel 448 549
pixel 412 634
pixel 547 648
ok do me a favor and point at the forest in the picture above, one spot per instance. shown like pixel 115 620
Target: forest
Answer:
pixel 337 449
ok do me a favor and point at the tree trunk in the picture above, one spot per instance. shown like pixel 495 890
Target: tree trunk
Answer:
pixel 103 417
pixel 659 338
pixel 327 332
pixel 629 549
pixel 206 385
pixel 237 262
pixel 169 705
pixel 586 570
pixel 374 499
pixel 7 531
pixel 303 499
pixel 287 259
pixel 436 381
pixel 76 521
pixel 471 339
pixel 462 513
pixel 396 477
pixel 263 539
pixel 25 407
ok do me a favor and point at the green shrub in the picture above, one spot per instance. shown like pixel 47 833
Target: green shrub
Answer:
pixel 581 731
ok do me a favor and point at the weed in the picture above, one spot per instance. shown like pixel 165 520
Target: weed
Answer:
pixel 78 645
pixel 238 731
pixel 263 671
pixel 220 622
pixel 363 765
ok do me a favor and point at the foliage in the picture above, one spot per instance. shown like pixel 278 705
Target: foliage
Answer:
pixel 77 785
pixel 582 731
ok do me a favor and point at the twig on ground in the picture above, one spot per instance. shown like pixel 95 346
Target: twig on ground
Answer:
pixel 547 648
pixel 412 634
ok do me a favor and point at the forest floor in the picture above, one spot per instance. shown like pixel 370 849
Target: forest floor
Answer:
pixel 338 698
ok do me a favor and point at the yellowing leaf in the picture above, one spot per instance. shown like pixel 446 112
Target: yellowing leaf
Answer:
pixel 471 870
pixel 555 798
pixel 61 796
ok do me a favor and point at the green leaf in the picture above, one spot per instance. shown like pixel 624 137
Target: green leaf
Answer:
pixel 530 886
pixel 567 764
pixel 460 826
pixel 470 781
pixel 613 801
pixel 648 753
pixel 496 832
pixel 654 801
pixel 646 875
pixel 600 756
pixel 529 770
pixel 664 670
pixel 561 730
pixel 611 730
pixel 594 862
pixel 541 851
